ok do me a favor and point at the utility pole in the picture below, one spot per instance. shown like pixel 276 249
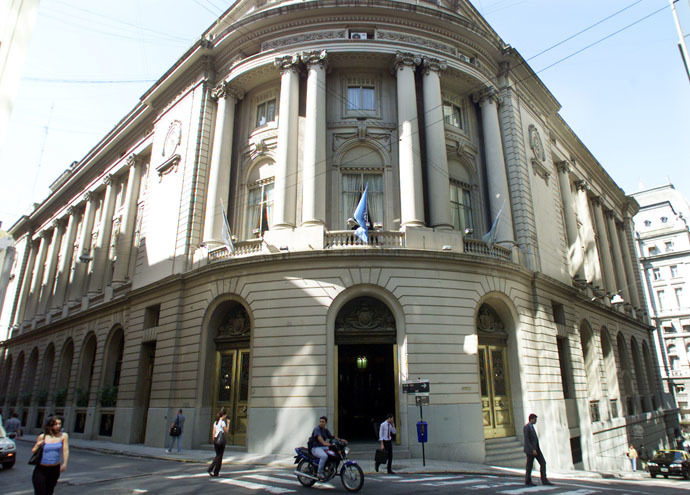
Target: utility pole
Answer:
pixel 681 44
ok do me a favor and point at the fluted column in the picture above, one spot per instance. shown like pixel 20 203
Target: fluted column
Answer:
pixel 575 256
pixel 125 237
pixel 314 160
pixel 219 170
pixel 285 188
pixel 435 132
pixel 605 249
pixel 37 280
pixel 54 251
pixel 621 279
pixel 25 289
pixel 630 263
pixel 410 162
pixel 496 177
pixel 100 248
pixel 77 289
pixel 592 268
pixel 66 256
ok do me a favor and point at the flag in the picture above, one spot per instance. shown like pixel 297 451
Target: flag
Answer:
pixel 490 237
pixel 362 217
pixel 225 232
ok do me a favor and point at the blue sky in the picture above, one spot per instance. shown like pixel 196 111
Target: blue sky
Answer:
pixel 627 97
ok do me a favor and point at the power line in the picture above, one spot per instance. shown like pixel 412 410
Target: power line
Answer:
pixel 87 81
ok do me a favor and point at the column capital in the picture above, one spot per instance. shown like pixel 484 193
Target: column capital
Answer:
pixel 287 63
pixel 57 223
pixel 108 179
pixel 132 160
pixel 563 166
pixel 403 59
pixel 433 64
pixel 486 95
pixel 596 201
pixel 226 90
pixel 316 57
pixel 43 234
pixel 71 210
pixel 582 185
pixel 88 196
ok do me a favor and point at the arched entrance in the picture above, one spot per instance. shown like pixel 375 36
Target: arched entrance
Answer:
pixel 365 341
pixel 231 388
pixel 494 380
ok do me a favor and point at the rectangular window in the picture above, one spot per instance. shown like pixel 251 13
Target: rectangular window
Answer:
pixel 460 206
pixel 576 450
pixel 686 328
pixel 452 115
pixel 668 246
pixel 653 250
pixel 674 271
pixel 679 297
pixel 352 188
pixel 656 274
pixel 563 361
pixel 660 297
pixel 558 313
pixel 152 316
pixel 361 98
pixel 260 208
pixel 265 112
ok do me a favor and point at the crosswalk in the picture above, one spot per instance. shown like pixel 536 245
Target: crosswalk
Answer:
pixel 284 481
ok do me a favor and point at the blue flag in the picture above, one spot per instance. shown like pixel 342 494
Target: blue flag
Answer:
pixel 362 217
pixel 225 232
pixel 490 237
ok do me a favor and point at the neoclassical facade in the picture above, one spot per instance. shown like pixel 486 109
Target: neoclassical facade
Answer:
pixel 127 299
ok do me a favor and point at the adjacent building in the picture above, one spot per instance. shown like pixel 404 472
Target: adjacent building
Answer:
pixel 202 255
pixel 663 244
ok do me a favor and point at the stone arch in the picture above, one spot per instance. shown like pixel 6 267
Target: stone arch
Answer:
pixel 85 373
pixel 610 369
pixel 504 310
pixel 625 374
pixel 640 377
pixel 16 379
pixel 358 153
pixel 257 183
pixel 6 372
pixel 46 374
pixel 112 360
pixel 64 372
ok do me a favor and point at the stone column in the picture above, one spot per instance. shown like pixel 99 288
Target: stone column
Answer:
pixel 575 255
pixel 592 268
pixel 37 280
pixel 65 266
pixel 77 289
pixel 100 248
pixel 436 158
pixel 630 263
pixel 409 157
pixel 497 180
pixel 621 279
pixel 605 249
pixel 285 188
pixel 219 169
pixel 49 282
pixel 125 237
pixel 25 289
pixel 314 161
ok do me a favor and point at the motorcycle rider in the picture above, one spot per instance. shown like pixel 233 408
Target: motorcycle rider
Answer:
pixel 319 441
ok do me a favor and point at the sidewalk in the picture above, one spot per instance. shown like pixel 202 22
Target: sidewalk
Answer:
pixel 410 466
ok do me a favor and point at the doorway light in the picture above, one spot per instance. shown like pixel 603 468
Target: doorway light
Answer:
pixel 361 362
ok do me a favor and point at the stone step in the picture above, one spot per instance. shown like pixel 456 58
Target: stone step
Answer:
pixel 505 452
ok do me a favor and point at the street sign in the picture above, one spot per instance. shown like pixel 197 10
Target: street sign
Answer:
pixel 421 400
pixel 416 386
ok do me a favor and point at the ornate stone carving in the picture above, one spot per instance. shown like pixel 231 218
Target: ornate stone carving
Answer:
pixel 70 210
pixel 316 57
pixel 581 185
pixel 403 59
pixel 225 90
pixel 486 94
pixel 131 160
pixel 433 64
pixel 301 38
pixel 563 167
pixel 287 63
pixel 172 139
pixel 108 179
pixel 488 321
pixel 235 323
pixel 88 196
pixel 535 143
pixel 365 314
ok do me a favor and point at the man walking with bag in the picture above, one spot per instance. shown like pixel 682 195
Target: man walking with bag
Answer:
pixel 386 430
pixel 176 432
pixel 533 452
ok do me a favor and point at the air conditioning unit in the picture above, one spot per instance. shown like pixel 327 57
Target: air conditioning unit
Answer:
pixel 358 36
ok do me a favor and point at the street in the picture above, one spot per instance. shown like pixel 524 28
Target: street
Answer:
pixel 96 473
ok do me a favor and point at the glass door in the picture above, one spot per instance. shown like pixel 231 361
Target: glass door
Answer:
pixel 232 392
pixel 495 390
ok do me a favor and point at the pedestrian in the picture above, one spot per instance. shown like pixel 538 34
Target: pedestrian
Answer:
pixel 632 455
pixel 175 431
pixel 13 427
pixel 386 430
pixel 533 451
pixel 54 458
pixel 644 456
pixel 220 428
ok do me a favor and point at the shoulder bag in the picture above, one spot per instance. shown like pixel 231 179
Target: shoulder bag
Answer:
pixel 36 457
pixel 219 439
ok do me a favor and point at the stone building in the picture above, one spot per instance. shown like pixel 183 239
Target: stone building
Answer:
pixel 663 243
pixel 128 300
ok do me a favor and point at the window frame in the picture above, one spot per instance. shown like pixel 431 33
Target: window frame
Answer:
pixel 264 102
pixel 462 208
pixel 345 215
pixel 361 81
pixel 460 114
pixel 260 184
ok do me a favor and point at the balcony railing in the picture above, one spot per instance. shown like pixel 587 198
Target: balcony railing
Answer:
pixel 242 248
pixel 474 246
pixel 346 238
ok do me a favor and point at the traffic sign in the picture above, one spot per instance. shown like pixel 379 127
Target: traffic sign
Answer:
pixel 421 400
pixel 416 386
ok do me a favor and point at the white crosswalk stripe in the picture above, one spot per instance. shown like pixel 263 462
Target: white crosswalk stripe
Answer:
pixel 253 486
pixel 583 491
pixel 530 489
pixel 430 478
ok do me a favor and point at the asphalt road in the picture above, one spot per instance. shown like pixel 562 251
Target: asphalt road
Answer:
pixel 94 473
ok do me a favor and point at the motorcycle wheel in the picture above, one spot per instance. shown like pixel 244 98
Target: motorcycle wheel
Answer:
pixel 352 478
pixel 306 468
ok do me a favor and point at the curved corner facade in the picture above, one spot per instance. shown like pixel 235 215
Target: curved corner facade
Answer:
pixel 203 254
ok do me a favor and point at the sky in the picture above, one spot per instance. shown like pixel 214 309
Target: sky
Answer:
pixel 621 83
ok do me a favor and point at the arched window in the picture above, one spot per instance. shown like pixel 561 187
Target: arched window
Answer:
pixel 7 371
pixel 640 376
pixel 651 380
pixel 64 372
pixel 28 387
pixel 46 374
pixel 259 199
pixel 361 166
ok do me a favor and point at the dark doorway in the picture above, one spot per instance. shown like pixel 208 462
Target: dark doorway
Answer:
pixel 366 391
pixel 143 395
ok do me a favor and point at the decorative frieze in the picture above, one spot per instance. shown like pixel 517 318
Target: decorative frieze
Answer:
pixel 333 34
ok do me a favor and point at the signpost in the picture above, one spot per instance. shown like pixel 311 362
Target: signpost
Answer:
pixel 420 388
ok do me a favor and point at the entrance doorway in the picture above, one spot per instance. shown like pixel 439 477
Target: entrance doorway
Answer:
pixel 365 389
pixel 365 338
pixel 232 392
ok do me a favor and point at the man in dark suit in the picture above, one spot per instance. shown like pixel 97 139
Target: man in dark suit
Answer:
pixel 533 452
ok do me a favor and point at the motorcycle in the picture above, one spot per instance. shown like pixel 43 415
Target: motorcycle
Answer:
pixel 350 473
